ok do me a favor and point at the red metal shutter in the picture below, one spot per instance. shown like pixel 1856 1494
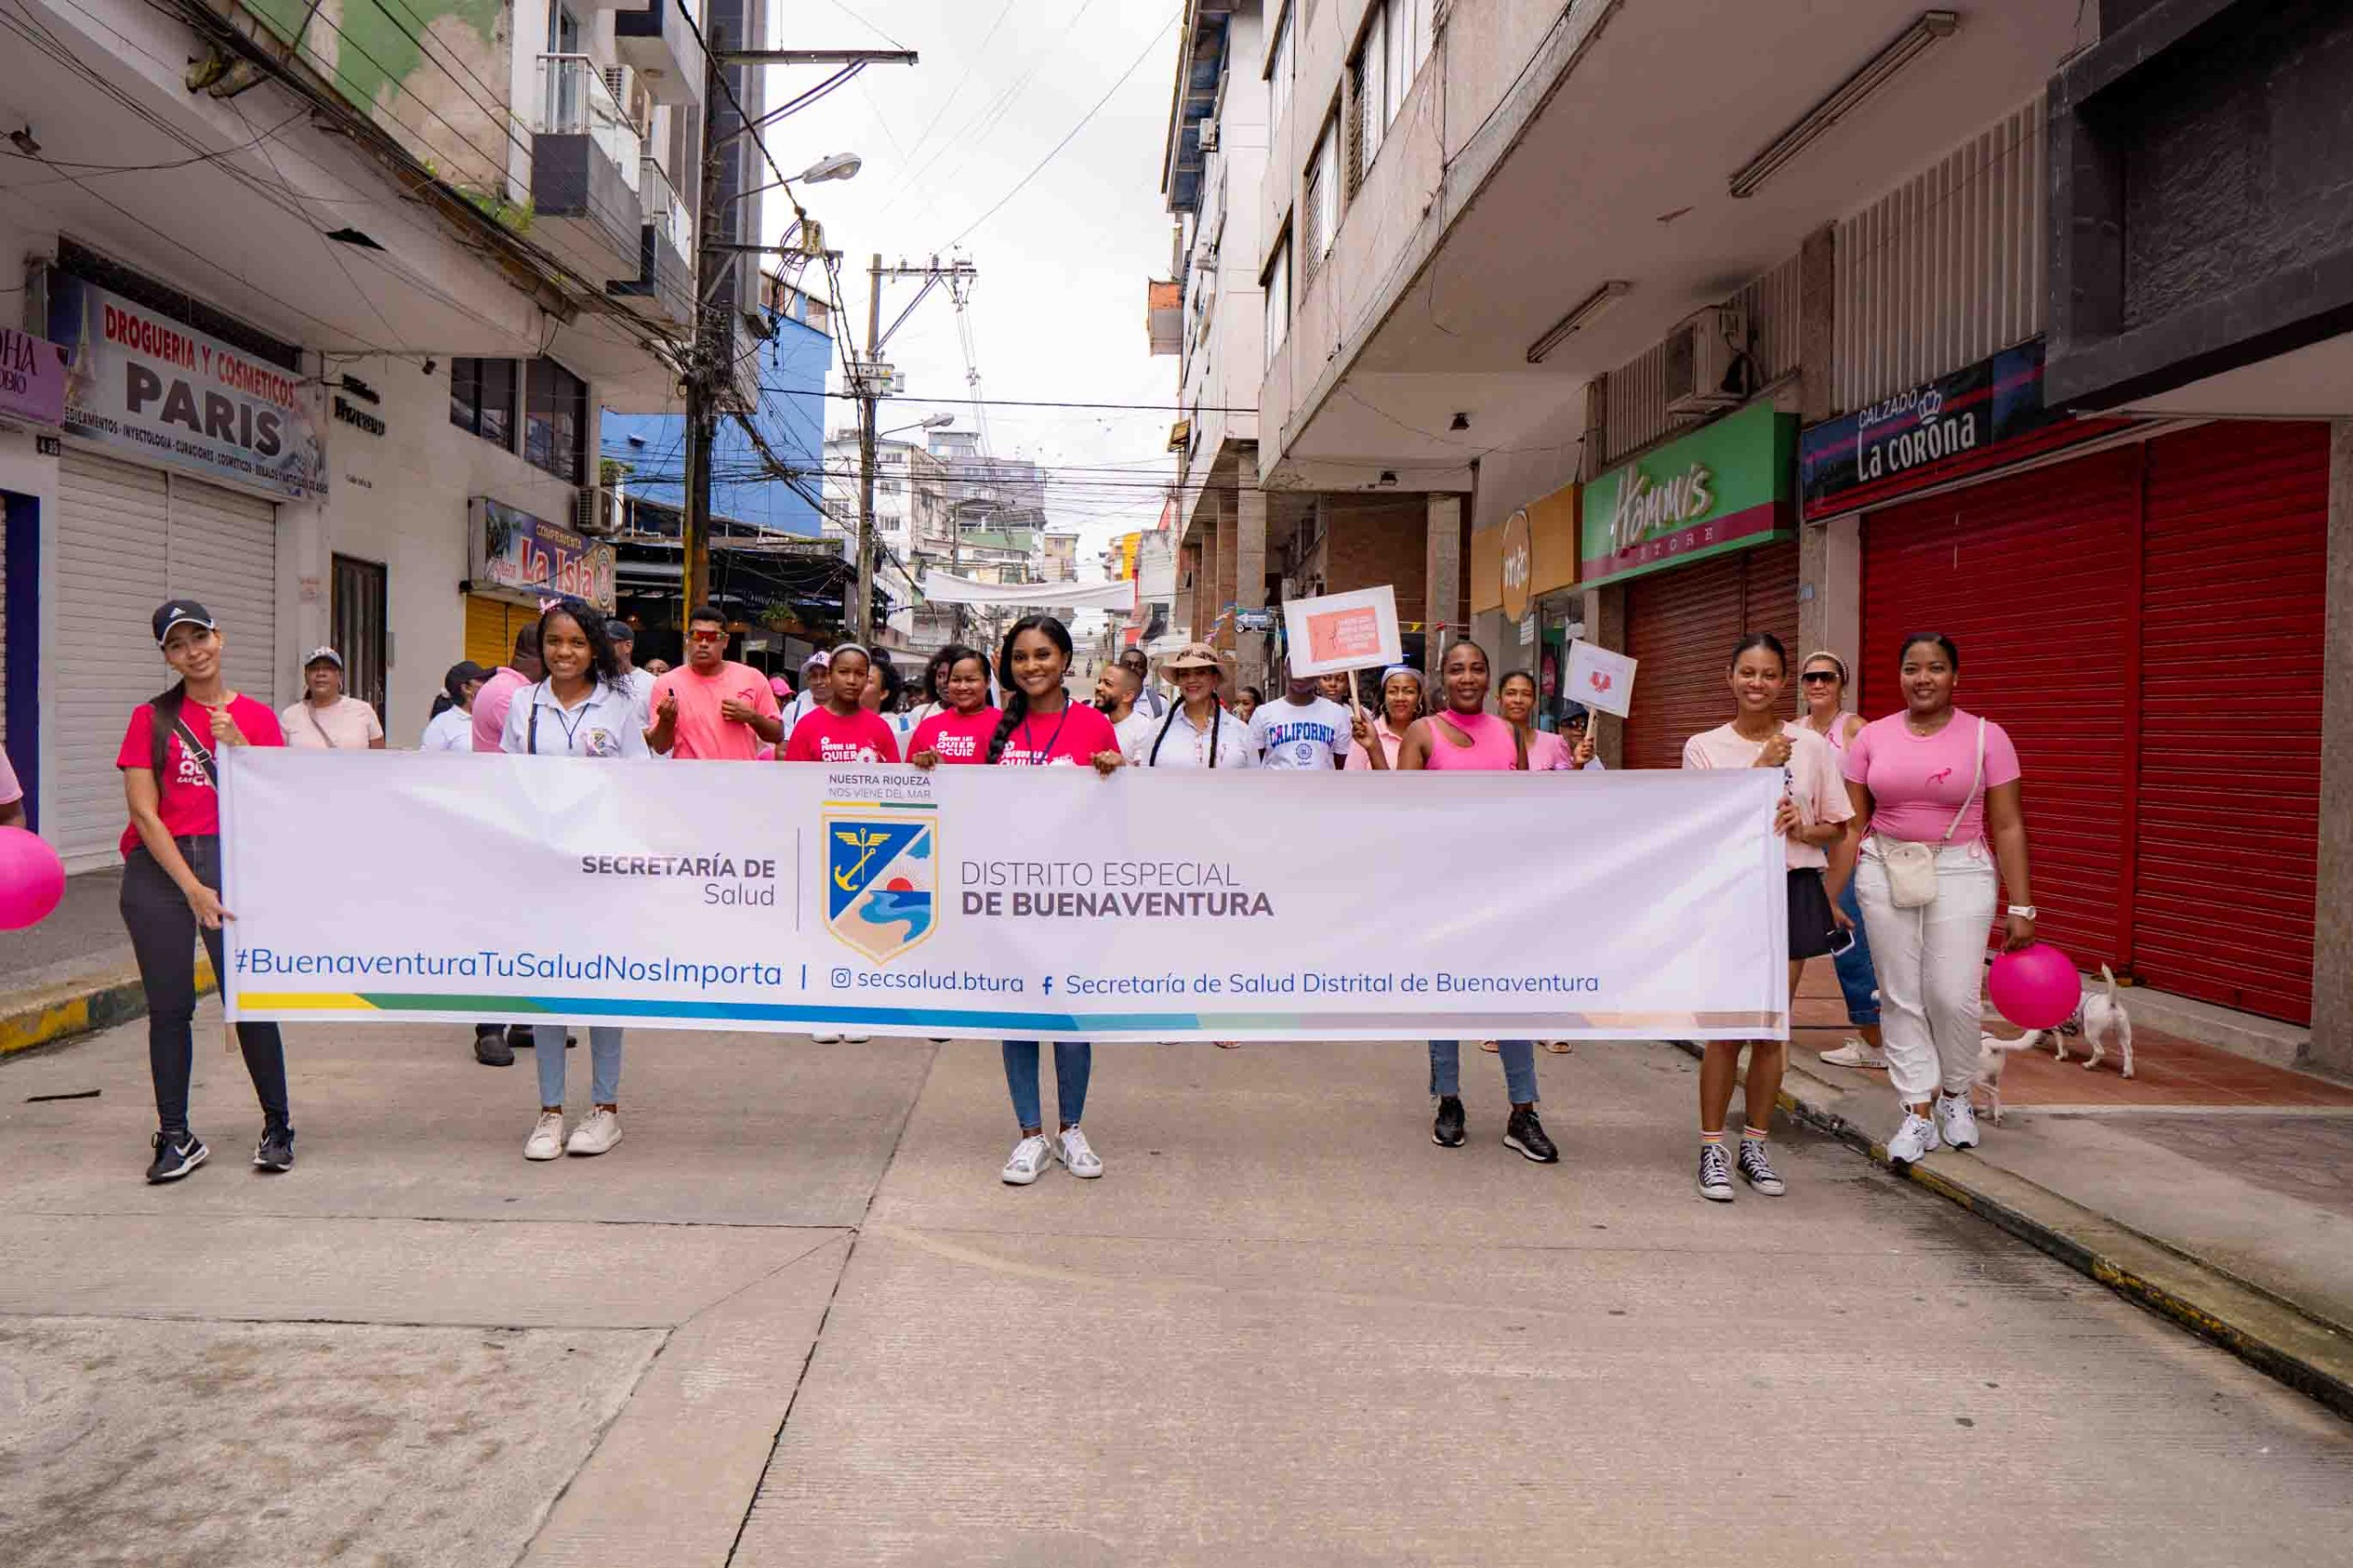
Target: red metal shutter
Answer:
pixel 1681 625
pixel 2036 579
pixel 2234 590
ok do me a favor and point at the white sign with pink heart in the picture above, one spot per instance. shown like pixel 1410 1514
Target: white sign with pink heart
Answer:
pixel 1600 679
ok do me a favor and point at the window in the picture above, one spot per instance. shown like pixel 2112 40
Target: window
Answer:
pixel 555 421
pixel 1320 201
pixel 1389 52
pixel 482 399
pixel 1279 67
pixel 1277 282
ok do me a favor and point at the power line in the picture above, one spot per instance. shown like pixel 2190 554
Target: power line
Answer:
pixel 1022 402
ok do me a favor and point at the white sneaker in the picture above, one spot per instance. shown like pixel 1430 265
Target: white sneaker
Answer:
pixel 1916 1136
pixel 854 1039
pixel 827 1037
pixel 1957 1120
pixel 1029 1161
pixel 547 1138
pixel 1077 1158
pixel 1854 1053
pixel 598 1133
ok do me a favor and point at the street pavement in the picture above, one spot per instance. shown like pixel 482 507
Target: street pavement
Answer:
pixel 795 1318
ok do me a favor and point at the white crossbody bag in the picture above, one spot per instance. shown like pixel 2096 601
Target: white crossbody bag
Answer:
pixel 1911 868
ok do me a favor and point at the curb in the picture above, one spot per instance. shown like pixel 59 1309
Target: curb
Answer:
pixel 2309 1353
pixel 56 1013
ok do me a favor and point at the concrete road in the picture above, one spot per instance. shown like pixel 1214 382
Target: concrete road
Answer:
pixel 795 1318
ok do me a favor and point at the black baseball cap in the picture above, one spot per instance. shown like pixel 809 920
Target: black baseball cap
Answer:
pixel 181 613
pixel 621 630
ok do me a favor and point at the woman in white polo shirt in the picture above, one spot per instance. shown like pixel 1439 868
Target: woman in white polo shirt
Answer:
pixel 1196 731
pixel 582 709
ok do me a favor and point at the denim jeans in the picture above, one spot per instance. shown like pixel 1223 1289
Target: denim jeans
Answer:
pixel 1855 977
pixel 1520 1068
pixel 604 1063
pixel 1074 1061
pixel 162 938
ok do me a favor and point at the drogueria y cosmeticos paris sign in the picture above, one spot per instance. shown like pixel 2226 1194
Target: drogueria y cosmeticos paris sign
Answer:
pixel 1001 901
pixel 1721 488
pixel 144 381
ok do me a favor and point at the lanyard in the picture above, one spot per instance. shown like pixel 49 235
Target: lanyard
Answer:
pixel 531 743
pixel 1029 744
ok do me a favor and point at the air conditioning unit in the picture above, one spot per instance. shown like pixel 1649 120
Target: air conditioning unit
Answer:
pixel 1706 363
pixel 1209 136
pixel 629 91
pixel 596 511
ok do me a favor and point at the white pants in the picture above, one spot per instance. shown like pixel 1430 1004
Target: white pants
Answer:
pixel 1931 963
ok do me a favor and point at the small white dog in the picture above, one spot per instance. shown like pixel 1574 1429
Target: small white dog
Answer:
pixel 1993 1054
pixel 2102 1018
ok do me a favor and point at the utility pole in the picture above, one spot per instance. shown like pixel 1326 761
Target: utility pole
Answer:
pixel 870 381
pixel 710 358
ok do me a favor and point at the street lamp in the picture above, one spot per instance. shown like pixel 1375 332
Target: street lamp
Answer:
pixel 929 422
pixel 833 165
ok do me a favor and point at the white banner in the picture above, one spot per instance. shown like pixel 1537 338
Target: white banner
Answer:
pixel 1004 902
pixel 940 588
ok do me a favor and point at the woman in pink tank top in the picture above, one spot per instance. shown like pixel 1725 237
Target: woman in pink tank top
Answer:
pixel 1462 735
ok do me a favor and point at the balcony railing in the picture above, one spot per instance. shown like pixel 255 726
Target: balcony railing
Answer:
pixel 574 101
pixel 665 208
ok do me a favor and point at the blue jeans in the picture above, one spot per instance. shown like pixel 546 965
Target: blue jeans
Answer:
pixel 1074 1060
pixel 1855 977
pixel 604 1063
pixel 1519 1069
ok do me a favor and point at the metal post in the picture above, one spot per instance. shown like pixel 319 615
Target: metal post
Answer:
pixel 707 354
pixel 870 395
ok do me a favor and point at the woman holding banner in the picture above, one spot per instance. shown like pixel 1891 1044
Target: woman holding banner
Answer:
pixel 1811 819
pixel 959 731
pixel 1041 727
pixel 1196 731
pixel 1463 735
pixel 582 709
pixel 1379 735
pixel 171 880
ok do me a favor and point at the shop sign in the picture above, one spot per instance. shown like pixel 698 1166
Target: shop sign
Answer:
pixel 1518 565
pixel 1927 433
pixel 32 378
pixel 1720 489
pixel 531 558
pixel 144 381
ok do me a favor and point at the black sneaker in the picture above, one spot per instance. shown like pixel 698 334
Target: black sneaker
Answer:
pixel 276 1151
pixel 1525 1133
pixel 175 1155
pixel 1447 1131
pixel 522 1036
pixel 491 1048
pixel 1757 1171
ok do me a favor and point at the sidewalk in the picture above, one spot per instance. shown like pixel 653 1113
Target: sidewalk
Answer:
pixel 73 972
pixel 2214 1189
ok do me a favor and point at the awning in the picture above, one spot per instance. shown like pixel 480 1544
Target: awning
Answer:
pixel 940 588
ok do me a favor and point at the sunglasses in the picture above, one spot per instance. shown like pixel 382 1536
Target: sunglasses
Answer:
pixel 1812 675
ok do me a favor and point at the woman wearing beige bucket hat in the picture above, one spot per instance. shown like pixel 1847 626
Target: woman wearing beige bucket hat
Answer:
pixel 1196 731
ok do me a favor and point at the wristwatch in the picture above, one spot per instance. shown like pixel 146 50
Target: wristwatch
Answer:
pixel 2023 911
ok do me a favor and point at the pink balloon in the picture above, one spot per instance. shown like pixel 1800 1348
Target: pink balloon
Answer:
pixel 32 878
pixel 2036 987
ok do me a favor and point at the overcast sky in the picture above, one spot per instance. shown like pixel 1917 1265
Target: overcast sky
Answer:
pixel 1058 311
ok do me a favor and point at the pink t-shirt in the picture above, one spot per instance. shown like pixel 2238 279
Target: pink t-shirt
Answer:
pixel 1918 782
pixel 1360 761
pixel 1549 753
pixel 825 737
pixel 701 733
pixel 185 797
pixel 1071 737
pixel 1814 782
pixel 1492 748
pixel 497 694
pixel 957 737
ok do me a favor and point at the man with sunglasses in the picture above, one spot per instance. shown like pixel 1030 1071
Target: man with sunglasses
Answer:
pixel 711 708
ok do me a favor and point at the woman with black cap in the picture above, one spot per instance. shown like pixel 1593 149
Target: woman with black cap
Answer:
pixel 171 879
pixel 451 728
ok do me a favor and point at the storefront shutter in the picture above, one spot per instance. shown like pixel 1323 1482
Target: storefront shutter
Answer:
pixel 2034 577
pixel 2235 586
pixel 491 625
pixel 224 555
pixel 1681 625
pixel 112 544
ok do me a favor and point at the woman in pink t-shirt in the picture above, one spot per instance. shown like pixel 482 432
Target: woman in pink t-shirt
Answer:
pixel 959 732
pixel 1377 735
pixel 842 728
pixel 1463 735
pixel 1936 776
pixel 1548 752
pixel 1811 819
pixel 1041 727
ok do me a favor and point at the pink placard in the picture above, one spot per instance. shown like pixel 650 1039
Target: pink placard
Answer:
pixel 1353 633
pixel 32 378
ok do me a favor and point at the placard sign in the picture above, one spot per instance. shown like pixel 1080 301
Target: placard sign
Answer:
pixel 1335 633
pixel 32 378
pixel 1600 679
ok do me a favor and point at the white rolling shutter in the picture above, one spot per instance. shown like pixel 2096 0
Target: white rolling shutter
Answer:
pixel 127 538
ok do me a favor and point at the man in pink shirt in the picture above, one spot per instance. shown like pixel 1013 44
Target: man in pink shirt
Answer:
pixel 498 692
pixel 710 708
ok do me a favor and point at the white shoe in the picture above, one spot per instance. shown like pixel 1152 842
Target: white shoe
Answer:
pixel 1915 1138
pixel 547 1139
pixel 826 1038
pixel 854 1039
pixel 598 1133
pixel 1077 1158
pixel 1029 1161
pixel 1854 1053
pixel 1957 1120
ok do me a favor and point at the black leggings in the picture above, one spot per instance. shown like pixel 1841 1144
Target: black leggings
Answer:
pixel 161 927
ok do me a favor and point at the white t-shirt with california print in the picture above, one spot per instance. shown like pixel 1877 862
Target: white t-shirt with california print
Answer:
pixel 1300 735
